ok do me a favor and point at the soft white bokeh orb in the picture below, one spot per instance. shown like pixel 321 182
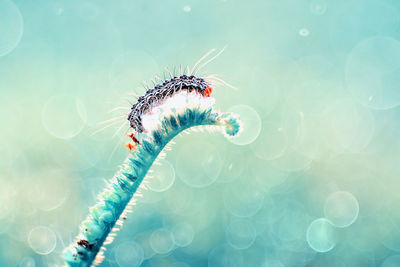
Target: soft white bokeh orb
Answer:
pixel 342 128
pixel 240 233
pixel 199 164
pixel 250 123
pixel 347 126
pixel 243 199
pixel 64 116
pixel 373 72
pixel 290 228
pixel 292 160
pixel 51 190
pixel 163 176
pixel 129 254
pixel 308 93
pixel 182 234
pixel 77 154
pixel 268 98
pixel 318 7
pixel 304 32
pixel 320 235
pixel 341 208
pixel 42 240
pixel 180 199
pixel 161 241
pixel 271 143
pixel 233 166
pixel 143 239
pixel 11 26
pixel 366 130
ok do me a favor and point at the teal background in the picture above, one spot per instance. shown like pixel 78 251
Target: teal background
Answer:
pixel 312 180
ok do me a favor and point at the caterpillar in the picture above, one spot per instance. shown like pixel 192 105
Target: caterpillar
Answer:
pixel 162 113
pixel 164 90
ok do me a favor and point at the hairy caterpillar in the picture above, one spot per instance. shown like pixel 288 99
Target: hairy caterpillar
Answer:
pixel 164 90
pixel 162 113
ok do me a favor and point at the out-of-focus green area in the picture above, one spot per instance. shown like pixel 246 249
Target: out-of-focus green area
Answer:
pixel 312 181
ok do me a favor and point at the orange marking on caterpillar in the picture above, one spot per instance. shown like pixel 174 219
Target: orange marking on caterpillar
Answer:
pixel 207 92
pixel 132 136
pixel 131 147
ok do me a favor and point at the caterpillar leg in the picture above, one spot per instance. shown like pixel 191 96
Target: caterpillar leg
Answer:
pixel 132 136
pixel 131 147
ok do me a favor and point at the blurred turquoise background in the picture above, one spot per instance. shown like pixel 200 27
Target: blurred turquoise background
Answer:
pixel 312 181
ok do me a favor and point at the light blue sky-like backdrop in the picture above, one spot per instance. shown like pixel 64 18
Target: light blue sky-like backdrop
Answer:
pixel 312 181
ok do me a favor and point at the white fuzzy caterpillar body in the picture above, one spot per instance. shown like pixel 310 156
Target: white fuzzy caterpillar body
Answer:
pixel 162 113
pixel 162 91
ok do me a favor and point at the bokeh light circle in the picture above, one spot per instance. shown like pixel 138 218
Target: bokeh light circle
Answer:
pixel 318 7
pixel 42 240
pixel 163 176
pixel 292 161
pixel 233 166
pixel 392 261
pixel 78 153
pixel 341 209
pixel 143 239
pixel 268 98
pixel 373 72
pixel 304 32
pixel 243 199
pixel 183 234
pixel 250 123
pixel 64 116
pixel 290 229
pixel 180 199
pixel 161 241
pixel 240 233
pixel 11 26
pixel 129 254
pixel 346 126
pixel 269 177
pixel 271 143
pixel 199 164
pixel 320 235
pixel 51 190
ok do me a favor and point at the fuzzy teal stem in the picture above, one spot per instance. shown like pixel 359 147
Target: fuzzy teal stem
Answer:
pixel 120 190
